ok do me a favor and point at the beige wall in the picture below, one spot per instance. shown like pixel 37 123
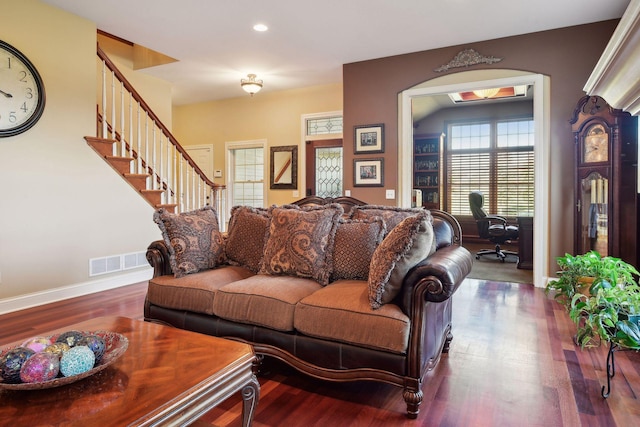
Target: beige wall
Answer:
pixel 276 117
pixel 60 203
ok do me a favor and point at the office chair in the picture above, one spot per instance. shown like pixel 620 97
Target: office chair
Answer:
pixel 491 227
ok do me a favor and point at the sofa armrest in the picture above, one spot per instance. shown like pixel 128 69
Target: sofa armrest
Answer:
pixel 443 272
pixel 158 257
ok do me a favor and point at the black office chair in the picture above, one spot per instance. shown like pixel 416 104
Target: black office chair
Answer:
pixel 491 227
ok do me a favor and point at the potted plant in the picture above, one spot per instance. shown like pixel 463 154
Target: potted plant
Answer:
pixel 587 273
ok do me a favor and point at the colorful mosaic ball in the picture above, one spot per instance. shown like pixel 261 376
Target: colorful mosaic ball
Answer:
pixel 57 348
pixel 95 344
pixel 77 360
pixel 70 338
pixel 37 344
pixel 39 368
pixel 12 362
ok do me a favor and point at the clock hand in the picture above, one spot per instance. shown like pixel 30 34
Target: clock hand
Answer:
pixel 7 95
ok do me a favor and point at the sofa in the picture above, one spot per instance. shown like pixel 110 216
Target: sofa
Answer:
pixel 338 289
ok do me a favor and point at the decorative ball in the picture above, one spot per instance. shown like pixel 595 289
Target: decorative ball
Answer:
pixel 39 368
pixel 70 338
pixel 77 360
pixel 11 363
pixel 95 344
pixel 57 348
pixel 37 344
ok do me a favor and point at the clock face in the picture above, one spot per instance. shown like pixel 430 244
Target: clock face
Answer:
pixel 21 92
pixel 596 145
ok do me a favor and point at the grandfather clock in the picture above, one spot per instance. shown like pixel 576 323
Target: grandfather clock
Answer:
pixel 606 197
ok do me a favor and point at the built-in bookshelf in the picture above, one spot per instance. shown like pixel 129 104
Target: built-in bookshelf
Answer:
pixel 427 171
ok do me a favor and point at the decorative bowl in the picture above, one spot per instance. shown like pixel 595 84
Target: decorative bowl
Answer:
pixel 116 344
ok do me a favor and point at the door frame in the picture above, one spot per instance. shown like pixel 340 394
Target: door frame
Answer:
pixel 541 116
pixel 302 169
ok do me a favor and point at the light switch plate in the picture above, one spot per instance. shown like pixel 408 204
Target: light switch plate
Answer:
pixel 347 193
pixel 217 173
pixel 391 194
pixel 296 193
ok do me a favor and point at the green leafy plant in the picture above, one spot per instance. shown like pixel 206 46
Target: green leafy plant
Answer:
pixel 611 314
pixel 588 271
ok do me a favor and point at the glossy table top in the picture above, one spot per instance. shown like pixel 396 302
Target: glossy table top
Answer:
pixel 163 371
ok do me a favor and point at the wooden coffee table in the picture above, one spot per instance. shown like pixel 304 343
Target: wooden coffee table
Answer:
pixel 167 376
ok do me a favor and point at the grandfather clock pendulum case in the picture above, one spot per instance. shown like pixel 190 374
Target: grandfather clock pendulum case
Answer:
pixel 606 196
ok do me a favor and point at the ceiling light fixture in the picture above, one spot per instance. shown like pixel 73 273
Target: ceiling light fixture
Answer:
pixel 251 85
pixel 260 28
pixel 486 93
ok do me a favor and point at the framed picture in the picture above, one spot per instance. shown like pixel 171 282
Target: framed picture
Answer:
pixel 284 167
pixel 368 172
pixel 369 139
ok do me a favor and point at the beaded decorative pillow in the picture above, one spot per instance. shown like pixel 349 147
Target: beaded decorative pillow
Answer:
pixel 355 243
pixel 193 239
pixel 411 241
pixel 245 240
pixel 300 241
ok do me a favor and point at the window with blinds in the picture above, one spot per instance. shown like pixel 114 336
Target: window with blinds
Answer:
pixel 248 176
pixel 495 157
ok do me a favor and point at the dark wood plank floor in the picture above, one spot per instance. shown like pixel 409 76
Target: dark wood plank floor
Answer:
pixel 512 363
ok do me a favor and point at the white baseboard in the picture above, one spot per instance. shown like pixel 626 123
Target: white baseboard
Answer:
pixel 7 305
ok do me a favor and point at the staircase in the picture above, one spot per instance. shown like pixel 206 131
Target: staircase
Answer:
pixel 136 144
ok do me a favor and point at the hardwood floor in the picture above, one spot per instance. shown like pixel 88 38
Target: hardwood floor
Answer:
pixel 512 362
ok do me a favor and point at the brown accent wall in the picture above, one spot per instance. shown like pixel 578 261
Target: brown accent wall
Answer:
pixel 566 55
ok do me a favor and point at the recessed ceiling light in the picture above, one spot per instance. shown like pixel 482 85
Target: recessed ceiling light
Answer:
pixel 260 27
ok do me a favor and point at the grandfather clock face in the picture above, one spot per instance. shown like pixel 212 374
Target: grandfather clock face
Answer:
pixel 595 148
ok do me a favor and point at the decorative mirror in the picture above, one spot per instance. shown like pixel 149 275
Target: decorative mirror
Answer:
pixel 284 167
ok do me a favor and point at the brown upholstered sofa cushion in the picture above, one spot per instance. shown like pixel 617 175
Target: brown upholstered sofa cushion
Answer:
pixel 300 241
pixel 195 292
pixel 263 300
pixel 193 239
pixel 355 242
pixel 245 238
pixel 410 242
pixel 341 312
pixel 391 215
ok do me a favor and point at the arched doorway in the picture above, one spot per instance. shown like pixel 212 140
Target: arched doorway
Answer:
pixel 479 79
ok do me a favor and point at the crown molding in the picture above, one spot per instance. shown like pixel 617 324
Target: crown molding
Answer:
pixel 615 77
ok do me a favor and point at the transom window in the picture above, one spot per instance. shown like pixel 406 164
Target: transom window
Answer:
pixel 495 157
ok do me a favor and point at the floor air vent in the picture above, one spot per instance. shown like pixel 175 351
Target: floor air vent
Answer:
pixel 114 263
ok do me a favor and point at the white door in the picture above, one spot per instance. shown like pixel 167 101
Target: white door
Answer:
pixel 203 156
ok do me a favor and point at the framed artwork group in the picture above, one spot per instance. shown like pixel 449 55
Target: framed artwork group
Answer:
pixel 368 139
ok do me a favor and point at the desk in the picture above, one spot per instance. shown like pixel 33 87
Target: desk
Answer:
pixel 167 376
pixel 525 242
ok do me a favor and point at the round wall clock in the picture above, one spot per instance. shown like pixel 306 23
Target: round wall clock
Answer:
pixel 21 92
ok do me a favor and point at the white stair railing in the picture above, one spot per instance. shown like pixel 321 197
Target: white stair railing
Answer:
pixel 126 118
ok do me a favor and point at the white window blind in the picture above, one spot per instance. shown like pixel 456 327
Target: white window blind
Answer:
pixel 248 176
pixel 495 157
